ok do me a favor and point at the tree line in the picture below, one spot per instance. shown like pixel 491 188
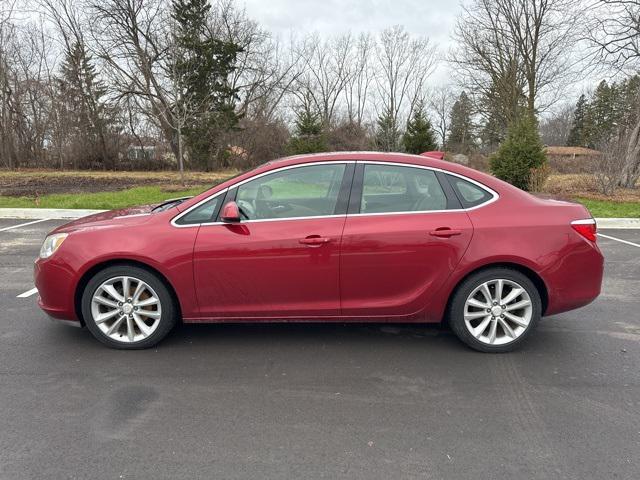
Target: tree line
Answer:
pixel 116 84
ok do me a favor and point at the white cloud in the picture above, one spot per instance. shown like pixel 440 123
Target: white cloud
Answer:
pixel 431 18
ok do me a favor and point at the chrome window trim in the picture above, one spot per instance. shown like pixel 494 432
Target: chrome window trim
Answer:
pixel 494 194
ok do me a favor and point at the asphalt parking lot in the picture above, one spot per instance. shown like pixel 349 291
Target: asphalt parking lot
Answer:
pixel 320 401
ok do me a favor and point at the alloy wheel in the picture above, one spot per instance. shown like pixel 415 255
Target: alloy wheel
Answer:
pixel 498 311
pixel 126 309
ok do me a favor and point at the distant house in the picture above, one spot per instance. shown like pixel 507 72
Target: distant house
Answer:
pixel 571 159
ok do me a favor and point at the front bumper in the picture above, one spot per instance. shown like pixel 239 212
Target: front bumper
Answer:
pixel 55 282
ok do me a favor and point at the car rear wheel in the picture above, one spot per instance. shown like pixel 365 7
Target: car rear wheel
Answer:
pixel 495 310
pixel 128 307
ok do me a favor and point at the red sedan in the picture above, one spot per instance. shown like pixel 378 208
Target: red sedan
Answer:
pixel 337 237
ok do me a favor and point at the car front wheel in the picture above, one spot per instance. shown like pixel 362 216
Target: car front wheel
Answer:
pixel 495 310
pixel 128 307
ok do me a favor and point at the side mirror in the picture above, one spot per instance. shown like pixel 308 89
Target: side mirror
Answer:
pixel 230 213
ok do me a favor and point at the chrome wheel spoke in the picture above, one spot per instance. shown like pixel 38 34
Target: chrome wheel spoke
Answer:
pixel 487 293
pixel 115 325
pixel 146 302
pixel 507 329
pixel 111 290
pixel 106 302
pixel 144 328
pixel 117 308
pixel 139 289
pixel 494 322
pixel 474 315
pixel 130 329
pixel 518 305
pixel 513 294
pixel 126 283
pixel 514 319
pixel 103 317
pixel 493 330
pixel 499 288
pixel 150 314
pixel 480 329
pixel 478 304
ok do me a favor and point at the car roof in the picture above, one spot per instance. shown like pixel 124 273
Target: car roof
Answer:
pixel 386 157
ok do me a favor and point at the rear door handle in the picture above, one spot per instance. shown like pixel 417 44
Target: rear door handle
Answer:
pixel 444 232
pixel 314 240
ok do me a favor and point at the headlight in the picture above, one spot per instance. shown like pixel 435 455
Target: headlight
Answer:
pixel 51 244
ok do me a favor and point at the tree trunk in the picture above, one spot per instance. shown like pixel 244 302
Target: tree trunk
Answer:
pixel 180 156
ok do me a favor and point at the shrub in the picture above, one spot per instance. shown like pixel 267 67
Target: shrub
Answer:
pixel 520 152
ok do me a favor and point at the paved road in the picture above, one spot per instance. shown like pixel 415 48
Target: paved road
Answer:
pixel 321 401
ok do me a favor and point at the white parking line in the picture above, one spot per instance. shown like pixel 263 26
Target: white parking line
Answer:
pixel 28 293
pixel 23 224
pixel 619 240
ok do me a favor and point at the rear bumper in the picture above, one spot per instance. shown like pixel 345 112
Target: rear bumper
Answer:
pixel 575 280
pixel 55 284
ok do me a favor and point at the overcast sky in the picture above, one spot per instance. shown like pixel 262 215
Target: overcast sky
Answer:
pixel 432 18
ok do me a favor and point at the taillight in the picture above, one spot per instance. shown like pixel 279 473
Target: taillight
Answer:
pixel 587 228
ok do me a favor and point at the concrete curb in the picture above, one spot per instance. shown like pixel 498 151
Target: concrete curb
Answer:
pixel 618 223
pixel 72 214
pixel 46 213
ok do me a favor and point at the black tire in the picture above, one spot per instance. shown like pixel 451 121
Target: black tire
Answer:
pixel 169 311
pixel 457 305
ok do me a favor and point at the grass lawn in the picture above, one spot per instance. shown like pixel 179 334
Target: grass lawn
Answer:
pixel 611 209
pixel 98 200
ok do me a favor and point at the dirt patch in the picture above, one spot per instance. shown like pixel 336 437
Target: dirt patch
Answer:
pixel 585 186
pixel 35 183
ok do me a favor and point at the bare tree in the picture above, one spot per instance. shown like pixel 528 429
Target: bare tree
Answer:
pixel 79 77
pixel 131 38
pixel 8 155
pixel 555 128
pixel 517 53
pixel 441 102
pixel 404 65
pixel 615 35
pixel 359 79
pixel 325 73
pixel 263 72
pixel 608 167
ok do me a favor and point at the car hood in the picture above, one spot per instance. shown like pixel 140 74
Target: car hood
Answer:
pixel 123 216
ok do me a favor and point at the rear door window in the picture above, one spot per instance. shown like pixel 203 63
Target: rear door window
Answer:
pixel 396 189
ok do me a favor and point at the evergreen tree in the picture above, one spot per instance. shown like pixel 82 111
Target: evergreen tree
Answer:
pixel 461 126
pixel 202 67
pixel 600 116
pixel 577 133
pixel 309 135
pixel 84 109
pixel 520 153
pixel 387 133
pixel 419 136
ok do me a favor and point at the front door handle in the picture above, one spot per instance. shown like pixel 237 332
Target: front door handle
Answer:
pixel 444 232
pixel 314 240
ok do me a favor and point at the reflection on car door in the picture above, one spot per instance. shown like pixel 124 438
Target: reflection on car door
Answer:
pixel 282 260
pixel 402 239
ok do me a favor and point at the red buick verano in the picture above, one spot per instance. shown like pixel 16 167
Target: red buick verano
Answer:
pixel 339 237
